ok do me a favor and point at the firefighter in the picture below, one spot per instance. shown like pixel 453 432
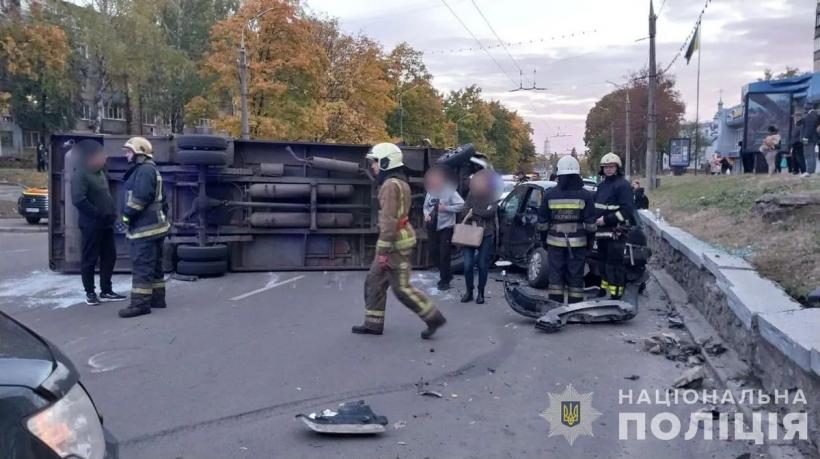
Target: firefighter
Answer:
pixel 615 209
pixel 567 216
pixel 392 266
pixel 146 226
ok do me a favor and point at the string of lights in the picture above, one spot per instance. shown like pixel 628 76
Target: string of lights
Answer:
pixel 466 49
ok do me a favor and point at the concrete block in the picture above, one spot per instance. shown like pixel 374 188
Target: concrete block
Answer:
pixel 750 295
pixel 815 361
pixel 794 333
pixel 687 244
pixel 718 261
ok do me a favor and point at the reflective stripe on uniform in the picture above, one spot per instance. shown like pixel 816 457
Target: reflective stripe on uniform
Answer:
pixel 374 313
pixel 619 215
pixel 425 305
pixel 575 292
pixel 590 227
pixel 558 241
pixel 142 291
pixel 160 284
pixel 133 202
pixel 147 231
pixel 555 290
pixel 575 204
pixel 606 206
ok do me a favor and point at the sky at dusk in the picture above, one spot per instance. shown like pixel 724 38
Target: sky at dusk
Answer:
pixel 576 46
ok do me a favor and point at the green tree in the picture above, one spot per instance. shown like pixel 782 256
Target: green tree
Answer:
pixel 605 121
pixel 41 80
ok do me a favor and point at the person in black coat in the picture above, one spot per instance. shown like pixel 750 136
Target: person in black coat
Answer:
pixel 641 201
pixel 615 208
pixel 95 206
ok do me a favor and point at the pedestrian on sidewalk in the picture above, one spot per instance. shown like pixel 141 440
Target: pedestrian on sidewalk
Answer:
pixel 808 133
pixel 798 159
pixel 441 205
pixel 41 157
pixel 95 206
pixel 769 149
pixel 482 206
pixel 641 200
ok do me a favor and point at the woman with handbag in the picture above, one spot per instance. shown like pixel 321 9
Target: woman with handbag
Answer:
pixel 480 209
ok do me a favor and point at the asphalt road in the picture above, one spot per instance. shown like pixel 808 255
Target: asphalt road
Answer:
pixel 223 371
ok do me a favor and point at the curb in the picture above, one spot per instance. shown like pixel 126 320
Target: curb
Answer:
pixel 726 368
pixel 24 230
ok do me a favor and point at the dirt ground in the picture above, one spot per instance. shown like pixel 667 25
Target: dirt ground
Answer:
pixel 719 209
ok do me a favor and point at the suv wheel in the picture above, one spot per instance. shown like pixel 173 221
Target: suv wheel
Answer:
pixel 537 268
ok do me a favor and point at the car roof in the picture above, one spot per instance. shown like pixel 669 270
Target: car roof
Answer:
pixel 545 184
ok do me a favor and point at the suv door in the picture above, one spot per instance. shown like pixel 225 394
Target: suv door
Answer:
pixel 518 216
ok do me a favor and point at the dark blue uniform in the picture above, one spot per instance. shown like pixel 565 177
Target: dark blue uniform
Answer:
pixel 614 202
pixel 144 215
pixel 568 217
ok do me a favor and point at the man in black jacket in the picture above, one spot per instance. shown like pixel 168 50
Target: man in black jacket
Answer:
pixel 615 206
pixel 95 206
pixel 144 214
pixel 808 133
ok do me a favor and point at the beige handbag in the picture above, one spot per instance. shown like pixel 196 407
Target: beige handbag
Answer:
pixel 468 235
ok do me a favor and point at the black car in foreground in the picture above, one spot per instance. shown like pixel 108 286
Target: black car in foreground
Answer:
pixel 45 412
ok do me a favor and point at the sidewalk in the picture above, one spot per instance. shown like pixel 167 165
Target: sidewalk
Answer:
pixel 19 225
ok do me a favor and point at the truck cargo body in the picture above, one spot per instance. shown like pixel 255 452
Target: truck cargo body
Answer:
pixel 313 209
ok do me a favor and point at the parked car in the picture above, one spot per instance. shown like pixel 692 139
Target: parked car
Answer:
pixel 45 412
pixel 33 205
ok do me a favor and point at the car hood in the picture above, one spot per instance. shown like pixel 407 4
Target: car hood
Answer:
pixel 25 359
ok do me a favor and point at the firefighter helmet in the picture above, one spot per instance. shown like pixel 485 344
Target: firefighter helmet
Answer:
pixel 388 155
pixel 140 146
pixel 567 166
pixel 611 158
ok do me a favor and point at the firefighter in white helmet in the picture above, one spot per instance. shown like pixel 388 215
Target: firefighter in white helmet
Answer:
pixel 615 209
pixel 567 222
pixel 392 264
pixel 144 216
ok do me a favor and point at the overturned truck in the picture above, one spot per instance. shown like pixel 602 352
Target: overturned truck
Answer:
pixel 252 205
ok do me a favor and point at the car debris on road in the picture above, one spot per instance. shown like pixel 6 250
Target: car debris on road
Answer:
pixel 349 418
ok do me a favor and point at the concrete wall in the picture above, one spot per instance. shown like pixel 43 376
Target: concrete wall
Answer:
pixel 771 332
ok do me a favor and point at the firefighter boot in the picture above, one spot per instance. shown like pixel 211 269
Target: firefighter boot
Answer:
pixel 140 304
pixel 365 329
pixel 435 322
pixel 133 311
pixel 158 298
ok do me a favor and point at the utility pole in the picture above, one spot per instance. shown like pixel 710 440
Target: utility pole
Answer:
pixel 243 78
pixel 628 135
pixel 652 128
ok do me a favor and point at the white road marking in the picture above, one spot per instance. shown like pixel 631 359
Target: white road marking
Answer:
pixel 270 285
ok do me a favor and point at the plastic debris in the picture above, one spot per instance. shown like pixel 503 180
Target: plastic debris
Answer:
pixel 350 418
pixel 691 378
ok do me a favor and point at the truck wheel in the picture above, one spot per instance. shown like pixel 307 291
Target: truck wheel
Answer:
pixel 202 157
pixel 196 253
pixel 458 156
pixel 33 220
pixel 201 142
pixel 537 269
pixel 202 268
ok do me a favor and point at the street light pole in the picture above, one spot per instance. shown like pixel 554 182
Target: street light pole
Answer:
pixel 628 132
pixel 243 78
pixel 651 131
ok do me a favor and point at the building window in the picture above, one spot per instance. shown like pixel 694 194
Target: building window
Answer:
pixel 114 112
pixel 31 139
pixel 6 142
pixel 85 112
pixel 204 123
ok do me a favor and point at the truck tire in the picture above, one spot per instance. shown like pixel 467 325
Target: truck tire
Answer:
pixel 201 142
pixel 202 157
pixel 196 253
pixel 202 268
pixel 537 269
pixel 458 156
pixel 33 220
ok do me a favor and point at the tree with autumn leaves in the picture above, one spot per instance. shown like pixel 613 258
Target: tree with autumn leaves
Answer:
pixel 308 80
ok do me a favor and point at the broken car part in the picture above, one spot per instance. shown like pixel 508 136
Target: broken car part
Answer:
pixel 349 418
